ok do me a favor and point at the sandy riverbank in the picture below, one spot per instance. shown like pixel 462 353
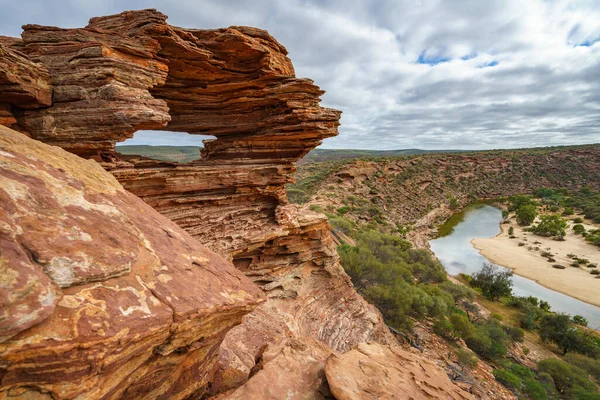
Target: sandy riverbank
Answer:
pixel 574 282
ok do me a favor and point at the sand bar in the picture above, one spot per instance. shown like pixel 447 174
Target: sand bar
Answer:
pixel 575 282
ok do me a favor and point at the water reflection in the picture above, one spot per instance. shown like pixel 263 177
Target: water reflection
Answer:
pixel 458 256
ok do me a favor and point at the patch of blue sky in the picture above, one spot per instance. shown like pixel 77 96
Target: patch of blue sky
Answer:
pixel 431 60
pixel 490 64
pixel 587 42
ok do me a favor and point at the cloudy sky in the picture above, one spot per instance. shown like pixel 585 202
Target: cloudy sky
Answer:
pixel 432 74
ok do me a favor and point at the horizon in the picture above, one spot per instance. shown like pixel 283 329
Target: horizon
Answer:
pixel 470 75
pixel 124 144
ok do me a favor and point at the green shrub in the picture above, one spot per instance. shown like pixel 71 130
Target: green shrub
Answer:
pixel 341 224
pixel 526 214
pixel 515 334
pixel 570 381
pixel 578 229
pixel 588 364
pixel 488 339
pixel 579 320
pixel 343 210
pixel 461 325
pixel 568 211
pixel 454 204
pixel 534 390
pixel 508 379
pixel 466 359
pixel 444 328
pixel 578 220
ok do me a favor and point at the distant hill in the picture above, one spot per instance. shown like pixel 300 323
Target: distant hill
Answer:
pixel 180 154
pixel 318 155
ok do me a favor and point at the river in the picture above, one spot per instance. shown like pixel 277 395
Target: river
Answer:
pixel 457 255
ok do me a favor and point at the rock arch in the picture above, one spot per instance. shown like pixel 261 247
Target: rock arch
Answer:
pixel 133 71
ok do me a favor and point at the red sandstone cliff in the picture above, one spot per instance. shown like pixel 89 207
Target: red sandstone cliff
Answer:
pixel 86 89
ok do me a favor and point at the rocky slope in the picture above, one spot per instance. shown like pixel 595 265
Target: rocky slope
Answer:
pixel 146 311
pixel 102 296
pixel 417 191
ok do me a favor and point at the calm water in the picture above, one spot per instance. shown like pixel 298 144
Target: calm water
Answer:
pixel 458 255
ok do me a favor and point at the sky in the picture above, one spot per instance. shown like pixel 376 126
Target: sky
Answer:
pixel 430 74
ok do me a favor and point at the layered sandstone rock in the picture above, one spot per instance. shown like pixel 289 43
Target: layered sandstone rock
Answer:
pixel 23 83
pixel 134 71
pixel 372 371
pixel 102 296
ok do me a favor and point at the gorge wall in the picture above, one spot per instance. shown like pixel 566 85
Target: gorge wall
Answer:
pixel 416 191
pixel 86 89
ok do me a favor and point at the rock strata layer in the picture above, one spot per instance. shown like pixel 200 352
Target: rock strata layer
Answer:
pixel 133 71
pixel 102 296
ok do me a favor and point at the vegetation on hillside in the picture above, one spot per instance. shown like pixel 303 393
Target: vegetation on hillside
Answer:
pixel 408 284
pixel 406 188
pixel 586 201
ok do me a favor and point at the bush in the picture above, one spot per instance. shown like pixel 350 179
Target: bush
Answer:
pixel 578 229
pixel 343 210
pixel 534 390
pixel 578 220
pixel 461 325
pixel 508 379
pixel 341 224
pixel 568 211
pixel 544 193
pixel 400 281
pixel 489 340
pixel 571 382
pixel 590 365
pixel 519 201
pixel 515 334
pixel 526 214
pixel 466 359
pixel 444 328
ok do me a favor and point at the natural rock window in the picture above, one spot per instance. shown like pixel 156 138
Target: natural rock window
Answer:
pixel 176 147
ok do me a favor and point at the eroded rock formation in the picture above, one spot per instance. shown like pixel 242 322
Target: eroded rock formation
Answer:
pixel 376 372
pixel 102 296
pixel 134 71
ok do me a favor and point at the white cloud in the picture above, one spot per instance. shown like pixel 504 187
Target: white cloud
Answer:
pixel 541 84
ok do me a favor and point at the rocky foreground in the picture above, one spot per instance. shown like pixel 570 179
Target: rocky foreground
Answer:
pixel 160 280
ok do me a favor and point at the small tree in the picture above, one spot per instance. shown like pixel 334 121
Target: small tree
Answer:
pixel 526 214
pixel 493 282
pixel 551 225
pixel 511 231
pixel 557 328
